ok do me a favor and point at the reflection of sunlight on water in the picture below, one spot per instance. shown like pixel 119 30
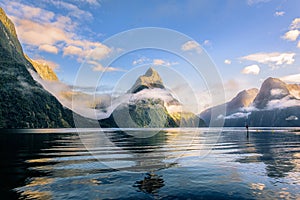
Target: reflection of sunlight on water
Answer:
pixel 265 165
pixel 33 194
pixel 257 186
pixel 31 191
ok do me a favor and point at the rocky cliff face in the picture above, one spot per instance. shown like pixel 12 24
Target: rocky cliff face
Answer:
pixel 243 99
pixel 294 90
pixel 148 81
pixel 23 102
pixel 44 71
pixel 271 89
pixel 9 39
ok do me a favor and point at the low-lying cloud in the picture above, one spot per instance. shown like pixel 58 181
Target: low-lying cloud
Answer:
pixel 291 118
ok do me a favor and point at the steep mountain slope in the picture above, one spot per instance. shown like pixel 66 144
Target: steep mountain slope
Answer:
pixel 23 102
pixel 276 104
pixel 149 106
pixel 45 72
pixel 242 100
pixel 294 90
pixel 271 89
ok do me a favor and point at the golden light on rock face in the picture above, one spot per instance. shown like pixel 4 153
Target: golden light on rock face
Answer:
pixel 294 89
pixel 43 69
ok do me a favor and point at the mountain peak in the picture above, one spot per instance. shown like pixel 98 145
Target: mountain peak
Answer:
pixel 10 34
pixel 151 79
pixel 271 89
pixel 243 98
pixel 150 72
pixel 7 22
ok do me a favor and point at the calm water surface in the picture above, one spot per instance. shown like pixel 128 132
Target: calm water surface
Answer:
pixel 174 163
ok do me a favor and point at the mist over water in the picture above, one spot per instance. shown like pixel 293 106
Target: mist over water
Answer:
pixel 183 163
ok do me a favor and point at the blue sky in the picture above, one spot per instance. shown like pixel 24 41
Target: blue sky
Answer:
pixel 248 40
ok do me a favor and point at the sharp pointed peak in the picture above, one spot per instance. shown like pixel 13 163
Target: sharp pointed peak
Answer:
pixel 151 79
pixel 151 71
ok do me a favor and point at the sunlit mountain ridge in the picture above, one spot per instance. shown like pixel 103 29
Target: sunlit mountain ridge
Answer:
pixel 276 103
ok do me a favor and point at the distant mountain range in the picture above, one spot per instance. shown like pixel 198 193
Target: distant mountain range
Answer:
pixel 275 104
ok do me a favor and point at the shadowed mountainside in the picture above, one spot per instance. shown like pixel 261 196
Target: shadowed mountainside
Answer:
pixel 276 104
pixel 23 102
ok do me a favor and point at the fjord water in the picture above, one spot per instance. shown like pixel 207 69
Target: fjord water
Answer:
pixel 173 163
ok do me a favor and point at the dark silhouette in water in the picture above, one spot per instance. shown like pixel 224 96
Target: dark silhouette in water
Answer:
pixel 150 184
pixel 247 127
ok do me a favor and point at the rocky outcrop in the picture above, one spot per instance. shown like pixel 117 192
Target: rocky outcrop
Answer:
pixel 150 80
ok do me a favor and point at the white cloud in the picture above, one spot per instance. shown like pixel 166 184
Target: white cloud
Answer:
pixel 96 66
pixel 74 10
pixel 158 93
pixel 294 78
pixel 30 32
pixel 141 61
pixel 278 92
pixel 48 48
pixel 207 43
pixel 279 13
pixel 43 30
pixel 72 50
pixel 291 118
pixel 252 2
pixel 250 108
pixel 228 62
pixel 191 45
pixel 272 59
pixel 291 35
pixel 251 69
pixel 295 24
pixel 282 103
pixel 97 51
pixel 155 62
pixel 28 12
pixel 238 115
pixel 293 32
pixel 79 102
pixel 91 2
pixel 160 62
pixel 163 62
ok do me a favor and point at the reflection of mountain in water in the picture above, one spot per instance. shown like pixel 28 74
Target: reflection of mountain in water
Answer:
pixel 16 152
pixel 267 147
pixel 49 166
pixel 146 153
pixel 273 152
pixel 150 184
